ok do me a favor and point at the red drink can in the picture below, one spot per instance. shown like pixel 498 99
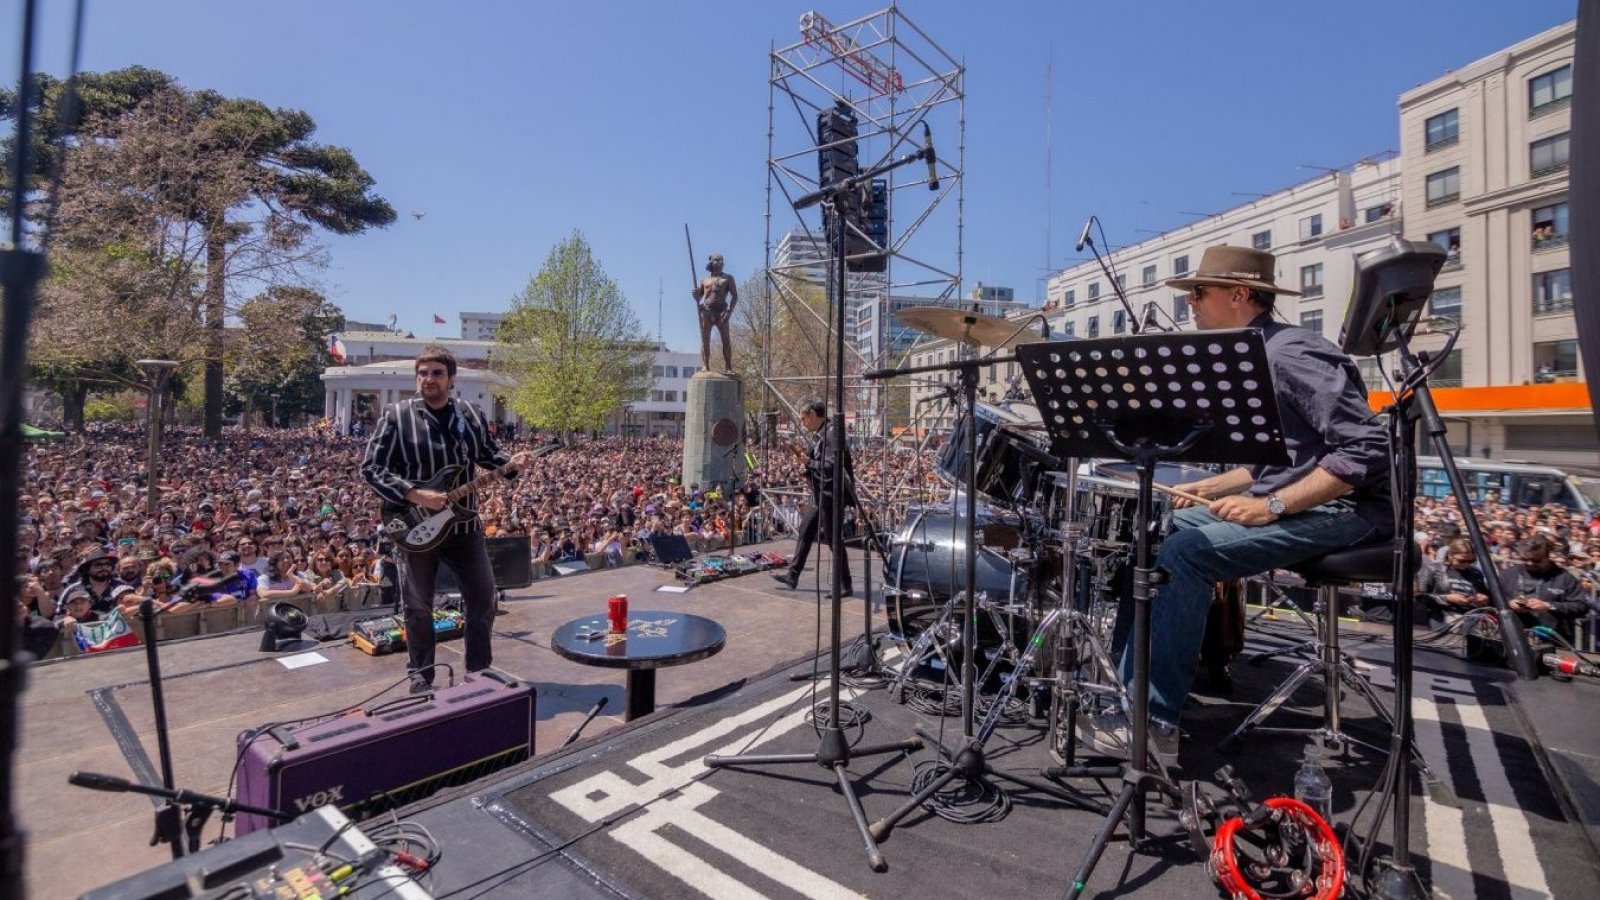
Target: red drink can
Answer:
pixel 617 612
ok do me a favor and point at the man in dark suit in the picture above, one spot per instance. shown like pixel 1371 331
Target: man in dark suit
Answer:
pixel 820 470
pixel 414 439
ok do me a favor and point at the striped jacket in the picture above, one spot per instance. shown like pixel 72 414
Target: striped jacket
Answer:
pixel 408 447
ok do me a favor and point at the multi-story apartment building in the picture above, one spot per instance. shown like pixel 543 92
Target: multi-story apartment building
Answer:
pixel 480 326
pixel 1486 151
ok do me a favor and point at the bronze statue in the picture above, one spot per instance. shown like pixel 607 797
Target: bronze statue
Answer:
pixel 716 296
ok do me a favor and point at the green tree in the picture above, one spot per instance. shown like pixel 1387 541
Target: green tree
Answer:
pixel 571 347
pixel 277 185
pixel 279 349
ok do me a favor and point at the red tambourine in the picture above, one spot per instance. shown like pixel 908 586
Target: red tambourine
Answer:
pixel 1330 856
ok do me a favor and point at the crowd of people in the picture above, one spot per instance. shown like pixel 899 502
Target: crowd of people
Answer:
pixel 283 513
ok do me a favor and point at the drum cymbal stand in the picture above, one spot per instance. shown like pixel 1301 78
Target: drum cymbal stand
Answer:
pixel 967 759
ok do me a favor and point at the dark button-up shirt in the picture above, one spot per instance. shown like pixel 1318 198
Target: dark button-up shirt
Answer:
pixel 1327 421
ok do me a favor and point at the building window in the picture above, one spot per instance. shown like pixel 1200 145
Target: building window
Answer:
pixel 1262 240
pixel 1450 240
pixel 657 371
pixel 1445 186
pixel 1094 326
pixel 1149 275
pixel 1371 368
pixel 1443 130
pixel 1071 329
pixel 1555 361
pixel 688 371
pixel 1552 292
pixel 1445 302
pixel 1550 91
pixel 1311 280
pixel 1549 154
pixel 1550 227
pixel 1119 322
pixel 1310 227
pixel 1072 297
pixel 1311 320
pixel 1180 308
pixel 1122 282
pixel 1448 374
pixel 1094 291
pixel 1180 266
pixel 1381 211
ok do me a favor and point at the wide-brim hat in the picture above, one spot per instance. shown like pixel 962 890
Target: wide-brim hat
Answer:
pixel 1227 266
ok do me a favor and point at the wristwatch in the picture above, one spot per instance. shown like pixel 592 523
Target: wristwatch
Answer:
pixel 1276 506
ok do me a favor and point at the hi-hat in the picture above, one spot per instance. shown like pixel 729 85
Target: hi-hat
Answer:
pixel 967 326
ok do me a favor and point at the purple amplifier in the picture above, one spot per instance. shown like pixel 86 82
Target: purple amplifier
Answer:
pixel 389 754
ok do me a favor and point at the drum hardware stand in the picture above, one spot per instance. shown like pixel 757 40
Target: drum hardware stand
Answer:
pixel 968 760
pixel 1279 599
pixel 1393 284
pixel 834 751
pixel 1152 398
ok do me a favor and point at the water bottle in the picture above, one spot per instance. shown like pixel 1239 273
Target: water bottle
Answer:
pixel 1311 784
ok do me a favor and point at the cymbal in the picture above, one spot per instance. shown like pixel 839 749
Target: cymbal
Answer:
pixel 967 326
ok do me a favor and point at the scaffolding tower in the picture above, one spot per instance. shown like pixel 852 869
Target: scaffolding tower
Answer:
pixel 895 80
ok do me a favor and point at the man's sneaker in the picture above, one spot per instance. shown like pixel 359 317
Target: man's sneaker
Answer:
pixel 785 579
pixel 420 683
pixel 1109 734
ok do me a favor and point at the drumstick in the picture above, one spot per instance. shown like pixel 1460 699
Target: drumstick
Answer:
pixel 1192 498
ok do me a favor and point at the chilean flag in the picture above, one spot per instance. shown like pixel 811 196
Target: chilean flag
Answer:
pixel 336 349
pixel 437 320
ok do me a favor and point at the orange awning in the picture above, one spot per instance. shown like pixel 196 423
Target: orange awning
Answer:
pixel 1567 396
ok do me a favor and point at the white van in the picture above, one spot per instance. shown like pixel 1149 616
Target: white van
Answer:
pixel 1511 483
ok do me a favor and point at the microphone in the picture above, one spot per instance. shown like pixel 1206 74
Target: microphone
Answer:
pixel 931 157
pixel 1083 236
pixel 1569 665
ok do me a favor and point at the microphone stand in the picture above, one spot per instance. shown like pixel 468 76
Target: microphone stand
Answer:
pixel 195 808
pixel 834 751
pixel 1116 286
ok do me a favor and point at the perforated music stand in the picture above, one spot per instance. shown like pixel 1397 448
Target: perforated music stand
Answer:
pixel 1192 397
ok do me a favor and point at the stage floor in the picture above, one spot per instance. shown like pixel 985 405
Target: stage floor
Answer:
pixel 631 811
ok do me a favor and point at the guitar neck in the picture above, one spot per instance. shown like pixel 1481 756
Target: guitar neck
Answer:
pixel 473 485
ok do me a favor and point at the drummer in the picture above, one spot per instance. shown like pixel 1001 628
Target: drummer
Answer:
pixel 1333 494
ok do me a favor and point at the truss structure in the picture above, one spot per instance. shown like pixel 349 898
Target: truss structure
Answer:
pixel 896 80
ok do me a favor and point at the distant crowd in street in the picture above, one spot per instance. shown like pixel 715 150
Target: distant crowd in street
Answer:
pixel 282 513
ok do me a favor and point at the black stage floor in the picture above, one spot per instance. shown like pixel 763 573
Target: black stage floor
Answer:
pixel 636 814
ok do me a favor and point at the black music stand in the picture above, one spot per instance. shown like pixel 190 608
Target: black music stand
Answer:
pixel 1203 397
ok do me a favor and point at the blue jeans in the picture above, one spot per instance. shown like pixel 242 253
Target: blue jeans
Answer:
pixel 1202 550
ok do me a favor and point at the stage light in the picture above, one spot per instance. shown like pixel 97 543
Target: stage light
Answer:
pixel 281 629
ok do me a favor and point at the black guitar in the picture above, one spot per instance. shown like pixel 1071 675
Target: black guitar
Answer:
pixel 417 528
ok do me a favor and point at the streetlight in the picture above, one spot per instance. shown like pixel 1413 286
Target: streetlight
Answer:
pixel 156 372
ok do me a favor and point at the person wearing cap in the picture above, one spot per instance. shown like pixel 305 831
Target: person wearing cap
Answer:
pixel 1333 494
pixel 415 439
pixel 96 576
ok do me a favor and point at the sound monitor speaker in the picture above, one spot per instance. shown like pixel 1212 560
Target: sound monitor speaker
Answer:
pixel 671 548
pixel 511 558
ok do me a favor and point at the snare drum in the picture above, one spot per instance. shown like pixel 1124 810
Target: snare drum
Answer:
pixel 1108 501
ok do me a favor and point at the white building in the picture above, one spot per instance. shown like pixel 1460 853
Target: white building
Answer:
pixel 1314 229
pixel 480 326
pixel 1486 151
pixel 803 259
pixel 378 370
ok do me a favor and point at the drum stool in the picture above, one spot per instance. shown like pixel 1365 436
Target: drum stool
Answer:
pixel 1358 565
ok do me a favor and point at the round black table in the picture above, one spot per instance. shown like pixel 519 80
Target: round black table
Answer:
pixel 655 638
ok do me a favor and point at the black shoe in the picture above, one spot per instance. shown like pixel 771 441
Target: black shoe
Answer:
pixel 785 579
pixel 847 592
pixel 420 684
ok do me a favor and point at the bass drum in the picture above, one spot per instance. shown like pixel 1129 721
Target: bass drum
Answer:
pixel 927 566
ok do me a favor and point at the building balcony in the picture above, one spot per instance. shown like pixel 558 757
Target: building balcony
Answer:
pixel 1545 109
pixel 1451 263
pixel 1552 306
pixel 1443 199
pixel 1549 242
pixel 1548 170
pixel 1442 143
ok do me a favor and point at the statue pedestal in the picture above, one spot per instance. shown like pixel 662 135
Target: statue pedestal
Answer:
pixel 713 430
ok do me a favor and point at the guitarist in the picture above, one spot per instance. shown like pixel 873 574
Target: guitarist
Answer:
pixel 819 470
pixel 413 440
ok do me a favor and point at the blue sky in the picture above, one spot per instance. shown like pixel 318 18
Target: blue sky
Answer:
pixel 510 124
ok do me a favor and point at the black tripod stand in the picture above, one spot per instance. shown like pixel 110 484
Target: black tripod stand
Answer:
pixel 1189 397
pixel 1392 287
pixel 834 752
